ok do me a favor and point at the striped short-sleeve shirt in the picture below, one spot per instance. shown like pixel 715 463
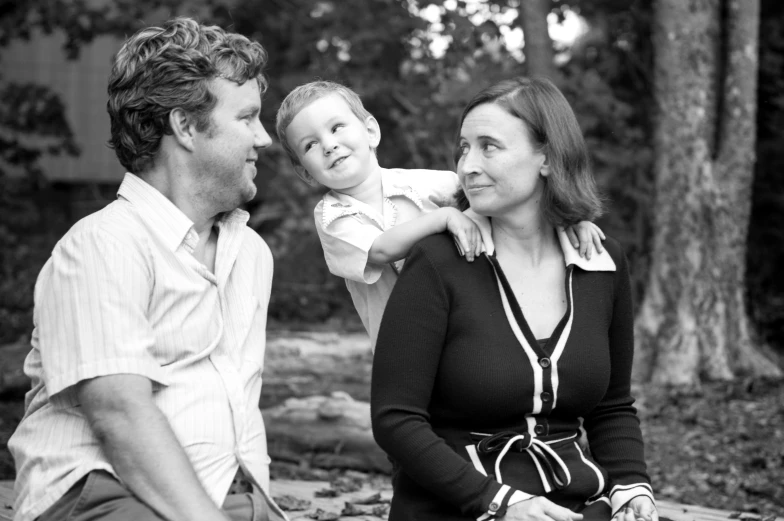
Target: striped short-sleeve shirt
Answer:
pixel 122 293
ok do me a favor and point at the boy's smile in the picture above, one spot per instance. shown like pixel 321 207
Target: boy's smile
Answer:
pixel 333 145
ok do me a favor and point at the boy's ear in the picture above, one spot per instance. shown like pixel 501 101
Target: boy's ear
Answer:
pixel 373 130
pixel 304 175
pixel 183 128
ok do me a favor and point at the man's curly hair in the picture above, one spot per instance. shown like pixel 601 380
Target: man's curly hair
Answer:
pixel 159 69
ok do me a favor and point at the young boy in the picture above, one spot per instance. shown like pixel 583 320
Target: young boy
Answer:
pixel 372 216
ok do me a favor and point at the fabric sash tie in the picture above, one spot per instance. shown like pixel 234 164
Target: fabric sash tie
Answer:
pixel 552 470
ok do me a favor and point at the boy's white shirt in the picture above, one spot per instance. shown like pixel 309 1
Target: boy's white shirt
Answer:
pixel 347 228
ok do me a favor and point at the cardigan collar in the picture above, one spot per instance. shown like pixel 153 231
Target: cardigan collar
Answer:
pixel 598 261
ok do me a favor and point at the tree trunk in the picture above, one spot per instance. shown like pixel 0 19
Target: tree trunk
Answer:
pixel 538 45
pixel 693 322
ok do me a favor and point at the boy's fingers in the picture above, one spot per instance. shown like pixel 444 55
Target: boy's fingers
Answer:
pixel 572 237
pixel 597 241
pixel 457 243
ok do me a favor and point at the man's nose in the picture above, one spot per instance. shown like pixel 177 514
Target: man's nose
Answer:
pixel 260 137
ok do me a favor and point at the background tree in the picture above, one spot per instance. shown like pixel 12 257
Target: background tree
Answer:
pixel 693 321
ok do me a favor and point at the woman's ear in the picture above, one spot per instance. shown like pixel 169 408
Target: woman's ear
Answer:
pixel 373 130
pixel 183 128
pixel 544 170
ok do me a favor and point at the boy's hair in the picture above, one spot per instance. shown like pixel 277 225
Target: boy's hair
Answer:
pixel 570 193
pixel 303 96
pixel 159 69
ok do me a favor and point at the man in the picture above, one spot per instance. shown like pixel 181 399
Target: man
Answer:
pixel 150 314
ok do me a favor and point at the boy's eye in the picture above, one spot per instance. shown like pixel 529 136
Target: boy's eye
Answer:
pixel 309 145
pixel 339 125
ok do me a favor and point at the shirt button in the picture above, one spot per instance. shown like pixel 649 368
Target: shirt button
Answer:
pixel 546 397
pixel 544 362
pixel 493 507
pixel 539 430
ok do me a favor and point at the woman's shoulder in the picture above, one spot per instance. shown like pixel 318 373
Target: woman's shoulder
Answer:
pixel 439 248
pixel 616 251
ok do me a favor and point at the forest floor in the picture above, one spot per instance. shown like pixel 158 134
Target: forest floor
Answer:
pixel 721 447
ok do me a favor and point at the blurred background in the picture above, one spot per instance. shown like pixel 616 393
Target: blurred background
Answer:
pixel 681 103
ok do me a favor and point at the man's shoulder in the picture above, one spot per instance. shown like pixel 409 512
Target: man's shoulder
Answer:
pixel 117 223
pixel 254 244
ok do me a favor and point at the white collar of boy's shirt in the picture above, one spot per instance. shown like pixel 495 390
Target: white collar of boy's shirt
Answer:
pixel 165 219
pixel 598 261
pixel 337 205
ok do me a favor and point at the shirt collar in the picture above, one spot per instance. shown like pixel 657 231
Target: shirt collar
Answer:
pixel 337 205
pixel 598 261
pixel 166 220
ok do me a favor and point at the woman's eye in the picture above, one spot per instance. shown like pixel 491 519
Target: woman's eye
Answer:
pixel 490 147
pixel 463 149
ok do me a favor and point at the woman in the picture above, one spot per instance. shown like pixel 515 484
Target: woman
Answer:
pixel 485 374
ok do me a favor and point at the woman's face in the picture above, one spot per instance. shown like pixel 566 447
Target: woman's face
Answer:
pixel 499 166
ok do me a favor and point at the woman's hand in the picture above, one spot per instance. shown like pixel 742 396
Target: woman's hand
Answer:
pixel 640 508
pixel 584 236
pixel 540 509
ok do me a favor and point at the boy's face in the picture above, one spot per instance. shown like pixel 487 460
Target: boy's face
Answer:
pixel 333 144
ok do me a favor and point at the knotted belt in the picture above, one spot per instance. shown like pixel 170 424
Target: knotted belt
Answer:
pixel 552 470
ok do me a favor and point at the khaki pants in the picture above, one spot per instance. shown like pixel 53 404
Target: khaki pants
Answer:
pixel 100 497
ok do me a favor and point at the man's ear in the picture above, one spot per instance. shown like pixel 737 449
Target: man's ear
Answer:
pixel 183 128
pixel 304 175
pixel 373 130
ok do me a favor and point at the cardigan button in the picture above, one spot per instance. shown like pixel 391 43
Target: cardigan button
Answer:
pixel 493 507
pixel 544 362
pixel 539 430
pixel 546 397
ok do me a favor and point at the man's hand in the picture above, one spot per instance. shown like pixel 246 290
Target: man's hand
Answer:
pixel 540 509
pixel 465 232
pixel 640 508
pixel 584 236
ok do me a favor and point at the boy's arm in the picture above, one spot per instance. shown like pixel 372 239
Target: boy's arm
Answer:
pixel 395 243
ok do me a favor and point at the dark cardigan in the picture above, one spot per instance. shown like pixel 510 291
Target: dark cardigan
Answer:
pixel 448 364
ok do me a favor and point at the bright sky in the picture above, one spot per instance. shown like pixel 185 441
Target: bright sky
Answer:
pixel 564 33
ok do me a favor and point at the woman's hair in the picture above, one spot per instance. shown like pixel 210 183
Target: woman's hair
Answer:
pixel 163 68
pixel 570 193
pixel 303 96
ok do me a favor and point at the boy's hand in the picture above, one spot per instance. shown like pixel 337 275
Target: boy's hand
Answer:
pixel 465 232
pixel 583 236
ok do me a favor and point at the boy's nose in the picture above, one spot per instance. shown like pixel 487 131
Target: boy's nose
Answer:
pixel 330 148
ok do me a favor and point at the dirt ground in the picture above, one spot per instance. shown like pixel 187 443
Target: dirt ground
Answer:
pixel 722 447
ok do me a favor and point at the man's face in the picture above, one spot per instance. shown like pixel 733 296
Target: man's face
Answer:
pixel 226 152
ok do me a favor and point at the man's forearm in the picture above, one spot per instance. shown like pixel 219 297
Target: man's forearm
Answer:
pixel 144 451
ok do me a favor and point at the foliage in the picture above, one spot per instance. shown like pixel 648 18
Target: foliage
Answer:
pixel 417 93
